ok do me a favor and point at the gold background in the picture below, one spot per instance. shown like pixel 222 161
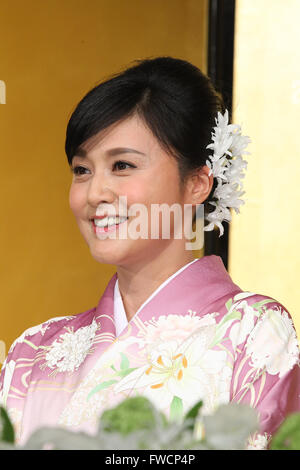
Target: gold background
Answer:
pixel 264 239
pixel 51 53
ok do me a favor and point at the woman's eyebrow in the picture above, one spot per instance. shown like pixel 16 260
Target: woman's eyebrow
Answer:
pixel 119 150
pixel 111 152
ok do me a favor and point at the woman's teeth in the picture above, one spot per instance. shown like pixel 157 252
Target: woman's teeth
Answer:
pixel 107 221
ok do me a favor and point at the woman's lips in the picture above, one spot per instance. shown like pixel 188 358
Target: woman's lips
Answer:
pixel 109 228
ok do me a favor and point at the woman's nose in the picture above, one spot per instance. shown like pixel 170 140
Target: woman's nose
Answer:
pixel 100 191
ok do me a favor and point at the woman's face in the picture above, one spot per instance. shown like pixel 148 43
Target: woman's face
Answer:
pixel 146 174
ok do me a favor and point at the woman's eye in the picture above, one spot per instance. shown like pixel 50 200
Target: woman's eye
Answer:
pixel 120 165
pixel 78 170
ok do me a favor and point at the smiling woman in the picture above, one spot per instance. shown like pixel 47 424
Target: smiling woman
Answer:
pixel 148 176
pixel 168 326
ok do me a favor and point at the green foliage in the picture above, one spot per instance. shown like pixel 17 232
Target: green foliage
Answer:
pixel 130 415
pixel 136 424
pixel 193 413
pixel 288 435
pixel 6 428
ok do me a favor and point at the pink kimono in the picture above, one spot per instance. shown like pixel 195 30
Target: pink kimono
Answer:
pixel 199 337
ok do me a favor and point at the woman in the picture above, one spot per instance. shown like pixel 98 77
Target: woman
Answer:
pixel 173 328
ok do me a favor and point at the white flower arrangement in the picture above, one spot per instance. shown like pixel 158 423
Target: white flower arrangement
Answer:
pixel 227 166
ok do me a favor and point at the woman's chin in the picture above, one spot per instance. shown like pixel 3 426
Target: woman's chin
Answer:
pixel 109 254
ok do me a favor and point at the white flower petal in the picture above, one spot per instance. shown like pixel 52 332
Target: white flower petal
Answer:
pixel 226 141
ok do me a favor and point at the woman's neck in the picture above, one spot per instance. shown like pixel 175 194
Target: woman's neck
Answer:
pixel 138 282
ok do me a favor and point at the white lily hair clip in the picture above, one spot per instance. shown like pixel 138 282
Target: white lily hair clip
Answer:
pixel 227 166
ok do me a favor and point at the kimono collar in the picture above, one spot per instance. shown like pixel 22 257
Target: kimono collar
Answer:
pixel 119 312
pixel 198 286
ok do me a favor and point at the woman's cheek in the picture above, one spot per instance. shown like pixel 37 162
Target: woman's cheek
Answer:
pixel 136 193
pixel 76 200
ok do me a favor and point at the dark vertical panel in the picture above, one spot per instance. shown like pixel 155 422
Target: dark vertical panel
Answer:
pixel 220 70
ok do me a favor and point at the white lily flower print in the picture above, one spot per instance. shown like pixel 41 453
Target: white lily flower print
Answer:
pixel 174 370
pixel 240 330
pixel 273 344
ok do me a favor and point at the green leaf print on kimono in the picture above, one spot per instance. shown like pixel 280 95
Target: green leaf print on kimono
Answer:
pixel 124 370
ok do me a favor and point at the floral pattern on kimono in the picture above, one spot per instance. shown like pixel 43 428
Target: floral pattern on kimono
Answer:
pixel 200 337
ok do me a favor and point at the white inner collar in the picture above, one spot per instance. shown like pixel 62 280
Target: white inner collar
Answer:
pixel 119 312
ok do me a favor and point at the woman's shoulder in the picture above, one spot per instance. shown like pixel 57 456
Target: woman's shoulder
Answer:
pixel 37 335
pixel 29 344
pixel 258 306
pixel 261 321
pixel 253 311
pixel 259 302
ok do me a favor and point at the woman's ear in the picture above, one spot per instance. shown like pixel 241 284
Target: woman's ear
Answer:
pixel 199 185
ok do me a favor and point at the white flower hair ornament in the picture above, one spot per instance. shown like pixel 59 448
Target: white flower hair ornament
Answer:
pixel 227 166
